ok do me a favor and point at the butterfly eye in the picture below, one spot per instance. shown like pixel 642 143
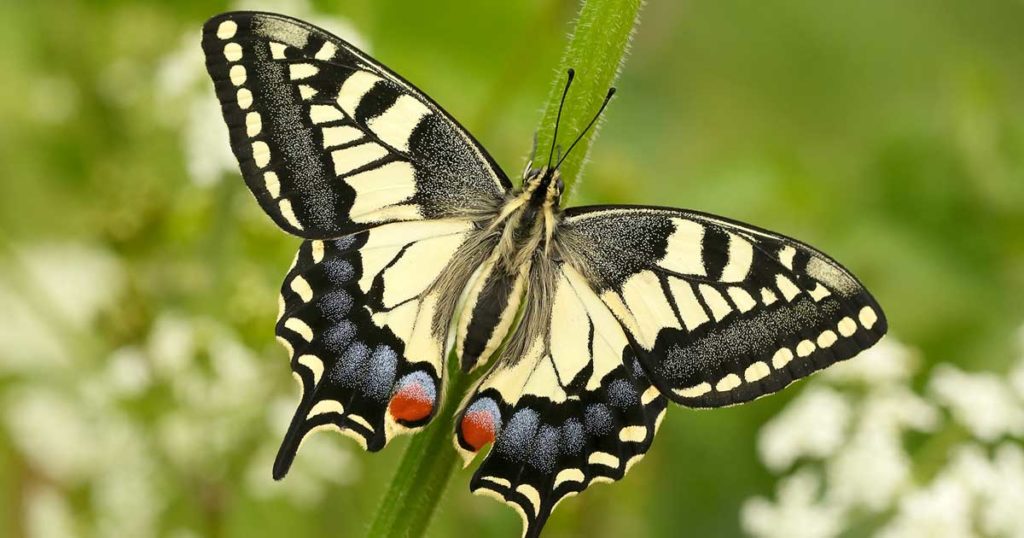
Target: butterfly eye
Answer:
pixel 534 173
pixel 559 185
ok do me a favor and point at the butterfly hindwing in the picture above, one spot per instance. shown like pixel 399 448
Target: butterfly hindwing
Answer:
pixel 567 405
pixel 719 312
pixel 330 141
pixel 365 320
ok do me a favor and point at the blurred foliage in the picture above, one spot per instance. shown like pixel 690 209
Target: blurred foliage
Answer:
pixel 890 134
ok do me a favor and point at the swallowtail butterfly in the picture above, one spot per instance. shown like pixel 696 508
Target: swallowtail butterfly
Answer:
pixel 588 321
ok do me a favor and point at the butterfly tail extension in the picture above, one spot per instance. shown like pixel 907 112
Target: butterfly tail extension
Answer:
pixel 292 439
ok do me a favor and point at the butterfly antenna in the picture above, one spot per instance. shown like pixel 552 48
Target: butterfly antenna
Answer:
pixel 611 92
pixel 558 118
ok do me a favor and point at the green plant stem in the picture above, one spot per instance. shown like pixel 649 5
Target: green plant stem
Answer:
pixel 595 50
pixel 424 471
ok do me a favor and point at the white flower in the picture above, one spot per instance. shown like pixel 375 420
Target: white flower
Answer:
pixel 898 408
pixel 236 378
pixel 1002 513
pixel 869 471
pixel 181 82
pixel 125 496
pixel 888 361
pixel 216 403
pixel 180 72
pixel 181 440
pixel 75 281
pixel 53 433
pixel 997 485
pixel 28 341
pixel 54 287
pixel 208 154
pixel 48 514
pixel 940 510
pixel 872 468
pixel 76 443
pixel 971 491
pixel 871 474
pixel 797 513
pixel 982 402
pixel 969 465
pixel 127 373
pixel 171 344
pixel 812 425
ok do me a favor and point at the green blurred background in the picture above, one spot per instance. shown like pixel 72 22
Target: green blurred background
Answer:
pixel 141 389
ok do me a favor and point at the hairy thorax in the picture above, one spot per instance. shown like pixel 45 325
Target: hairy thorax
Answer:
pixel 517 236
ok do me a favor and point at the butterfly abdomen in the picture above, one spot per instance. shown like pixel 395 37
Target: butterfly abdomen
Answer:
pixel 490 311
pixel 521 229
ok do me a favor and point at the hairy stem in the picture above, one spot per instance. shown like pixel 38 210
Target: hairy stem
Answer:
pixel 424 471
pixel 595 50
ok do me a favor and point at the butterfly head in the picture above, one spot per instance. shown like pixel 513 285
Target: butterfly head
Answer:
pixel 544 186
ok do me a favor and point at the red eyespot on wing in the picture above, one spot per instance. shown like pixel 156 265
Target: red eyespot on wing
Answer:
pixel 478 428
pixel 411 403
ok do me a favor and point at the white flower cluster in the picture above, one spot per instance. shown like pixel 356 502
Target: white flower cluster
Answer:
pixel 110 431
pixel 841 447
pixel 49 287
pixel 137 426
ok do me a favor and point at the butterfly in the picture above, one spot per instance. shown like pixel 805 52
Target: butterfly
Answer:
pixel 586 321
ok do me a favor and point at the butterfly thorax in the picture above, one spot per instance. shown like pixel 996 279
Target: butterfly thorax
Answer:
pixel 523 229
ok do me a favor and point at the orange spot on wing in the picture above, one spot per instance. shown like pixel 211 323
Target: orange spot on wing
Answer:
pixel 411 403
pixel 477 429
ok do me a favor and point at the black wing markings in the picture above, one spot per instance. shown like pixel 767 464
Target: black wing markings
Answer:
pixel 551 439
pixel 361 340
pixel 280 82
pixel 783 311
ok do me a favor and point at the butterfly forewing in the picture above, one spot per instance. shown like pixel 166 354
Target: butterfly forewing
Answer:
pixel 330 141
pixel 720 312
